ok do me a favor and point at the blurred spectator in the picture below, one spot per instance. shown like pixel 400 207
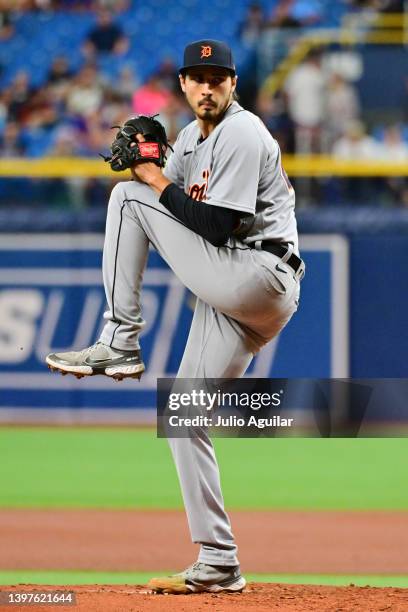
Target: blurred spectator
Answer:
pixel 98 126
pixel 4 108
pixel 64 5
pixel 151 98
pixel 43 5
pixel 281 16
pixel 59 81
pixel 385 6
pixel 115 109
pixel 392 6
pixel 393 147
pixel 115 6
pixel 40 110
pixel 358 4
pixel 29 5
pixel 355 143
pixel 404 101
pixel 71 114
pixel 296 13
pixel 106 37
pixel 175 116
pixel 283 36
pixel 253 24
pixel 168 75
pixel 6 25
pixel 273 112
pixel 127 83
pixel 65 144
pixel 342 106
pixel 59 70
pixel 11 141
pixel 307 12
pixel 305 88
pixel 73 5
pixel 265 107
pixel 70 191
pixel 86 94
pixel 20 93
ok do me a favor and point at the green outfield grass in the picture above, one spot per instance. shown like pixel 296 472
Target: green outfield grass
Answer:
pixel 67 578
pixel 125 468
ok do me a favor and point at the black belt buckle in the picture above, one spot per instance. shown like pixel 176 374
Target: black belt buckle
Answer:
pixel 300 267
pixel 281 250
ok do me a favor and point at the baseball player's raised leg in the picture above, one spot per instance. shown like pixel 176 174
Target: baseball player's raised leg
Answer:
pixel 238 282
pixel 124 260
pixel 125 255
pixel 241 282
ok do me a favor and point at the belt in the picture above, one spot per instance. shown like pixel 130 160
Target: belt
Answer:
pixel 280 250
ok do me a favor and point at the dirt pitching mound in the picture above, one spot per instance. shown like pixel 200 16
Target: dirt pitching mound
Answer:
pixel 256 597
pixel 157 541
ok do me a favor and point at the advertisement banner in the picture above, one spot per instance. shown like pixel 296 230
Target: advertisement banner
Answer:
pixel 52 299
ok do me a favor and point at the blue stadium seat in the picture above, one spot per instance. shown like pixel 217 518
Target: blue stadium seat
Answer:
pixel 155 28
pixel 38 141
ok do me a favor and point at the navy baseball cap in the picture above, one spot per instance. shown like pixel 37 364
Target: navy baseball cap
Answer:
pixel 208 53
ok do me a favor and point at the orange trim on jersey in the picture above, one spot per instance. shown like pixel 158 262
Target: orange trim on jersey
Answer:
pixel 286 179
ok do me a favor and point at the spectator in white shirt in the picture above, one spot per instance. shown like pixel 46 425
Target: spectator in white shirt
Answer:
pixel 342 106
pixel 305 90
pixel 355 143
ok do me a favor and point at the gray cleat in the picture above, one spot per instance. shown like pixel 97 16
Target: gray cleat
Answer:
pixel 201 578
pixel 98 359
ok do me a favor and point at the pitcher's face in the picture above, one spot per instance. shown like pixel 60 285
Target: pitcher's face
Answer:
pixel 208 91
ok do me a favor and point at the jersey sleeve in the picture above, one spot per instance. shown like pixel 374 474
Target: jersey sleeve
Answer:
pixel 174 169
pixel 237 160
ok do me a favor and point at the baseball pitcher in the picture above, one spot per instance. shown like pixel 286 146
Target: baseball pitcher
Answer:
pixel 221 214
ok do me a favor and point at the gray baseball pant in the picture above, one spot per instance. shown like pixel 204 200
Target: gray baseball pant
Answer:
pixel 242 303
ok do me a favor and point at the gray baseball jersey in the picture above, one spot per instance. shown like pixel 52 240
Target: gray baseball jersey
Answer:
pixel 238 167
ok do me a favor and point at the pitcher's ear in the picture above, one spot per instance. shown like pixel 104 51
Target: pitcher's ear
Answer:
pixel 182 79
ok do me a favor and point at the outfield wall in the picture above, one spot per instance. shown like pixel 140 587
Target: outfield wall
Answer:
pixel 351 322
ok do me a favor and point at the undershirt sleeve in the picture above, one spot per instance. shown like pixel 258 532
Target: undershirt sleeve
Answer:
pixel 213 223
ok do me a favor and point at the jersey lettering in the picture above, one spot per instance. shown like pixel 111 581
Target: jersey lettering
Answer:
pixel 199 191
